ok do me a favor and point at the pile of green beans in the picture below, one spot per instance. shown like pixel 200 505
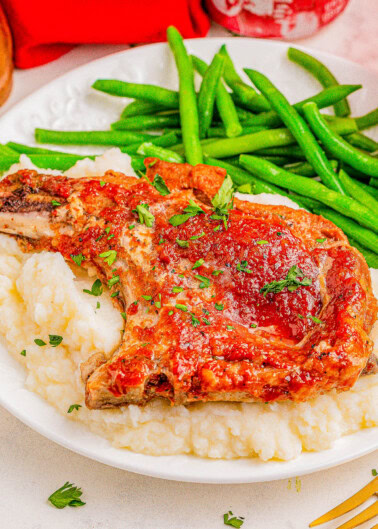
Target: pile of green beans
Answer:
pixel 322 162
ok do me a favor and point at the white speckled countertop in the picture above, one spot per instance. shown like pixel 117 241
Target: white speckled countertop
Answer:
pixel 32 467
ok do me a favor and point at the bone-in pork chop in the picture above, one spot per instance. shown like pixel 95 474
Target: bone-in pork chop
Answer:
pixel 223 301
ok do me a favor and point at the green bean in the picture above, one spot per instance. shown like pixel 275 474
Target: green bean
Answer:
pixel 149 149
pixel 290 151
pixel 137 163
pixel 371 190
pixel 207 93
pixel 166 140
pixel 368 120
pixel 359 140
pixel 352 229
pixel 277 160
pixel 223 148
pixel 27 149
pixel 92 137
pixel 373 182
pixel 146 122
pixel 323 99
pixel 337 145
pixel 358 193
pixel 371 258
pixel 321 73
pixel 244 92
pixel 187 98
pixel 220 132
pixel 60 162
pixel 145 92
pixel 311 188
pixel 225 105
pixel 141 108
pixel 6 150
pixel 298 127
pixel 301 168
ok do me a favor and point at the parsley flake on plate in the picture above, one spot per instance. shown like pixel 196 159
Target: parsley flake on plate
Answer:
pixel 74 407
pixel 23 352
pixel 160 185
pixel 77 259
pixel 109 257
pixel 55 340
pixel 232 521
pixel 290 282
pixel 96 290
pixel 145 216
pixel 39 342
pixel 198 263
pixel 205 281
pixel 374 472
pixel 66 495
pixel 182 244
pixel 243 267
pixel 190 211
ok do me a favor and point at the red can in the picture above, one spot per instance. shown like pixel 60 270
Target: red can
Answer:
pixel 284 19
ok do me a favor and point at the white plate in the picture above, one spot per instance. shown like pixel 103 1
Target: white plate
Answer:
pixel 69 103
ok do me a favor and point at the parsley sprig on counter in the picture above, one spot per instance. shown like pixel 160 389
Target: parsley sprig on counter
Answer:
pixel 66 495
pixel 290 282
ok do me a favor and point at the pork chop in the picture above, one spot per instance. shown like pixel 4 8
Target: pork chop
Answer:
pixel 237 302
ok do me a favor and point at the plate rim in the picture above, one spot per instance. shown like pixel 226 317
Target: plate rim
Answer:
pixel 137 467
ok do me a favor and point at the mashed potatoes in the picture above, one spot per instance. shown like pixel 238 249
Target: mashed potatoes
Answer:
pixel 40 295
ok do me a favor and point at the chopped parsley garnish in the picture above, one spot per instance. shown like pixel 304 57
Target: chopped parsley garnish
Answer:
pixel 170 313
pixel 243 267
pixel 206 321
pixel 216 272
pixel 176 290
pixel 96 289
pixel 374 472
pixel 253 325
pixel 230 327
pixel 98 305
pixel 158 303
pixel 109 257
pixel 145 344
pixel 290 282
pixel 195 237
pixel 217 228
pixel 55 203
pixel 205 311
pixel 147 298
pixel 232 521
pixel 78 259
pixel 39 342
pixel 190 211
pixel 131 226
pixel 222 201
pixel 102 183
pixel 195 320
pixel 314 319
pixel 66 495
pixel 205 281
pixel 262 242
pixel 198 263
pixel 145 217
pixel 23 352
pixel 113 281
pixel 99 238
pixel 182 244
pixel 107 229
pixel 110 236
pixel 219 306
pixel 162 241
pixel 160 185
pixel 320 241
pixel 123 314
pixel 73 407
pixel 300 317
pixel 115 294
pixel 55 340
pixel 279 233
pixel 179 306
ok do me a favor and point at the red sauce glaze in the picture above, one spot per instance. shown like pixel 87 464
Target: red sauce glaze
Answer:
pixel 244 240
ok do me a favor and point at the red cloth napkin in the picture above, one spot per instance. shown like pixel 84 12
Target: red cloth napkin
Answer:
pixel 43 30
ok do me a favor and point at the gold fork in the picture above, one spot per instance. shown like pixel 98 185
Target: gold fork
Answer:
pixel 354 501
